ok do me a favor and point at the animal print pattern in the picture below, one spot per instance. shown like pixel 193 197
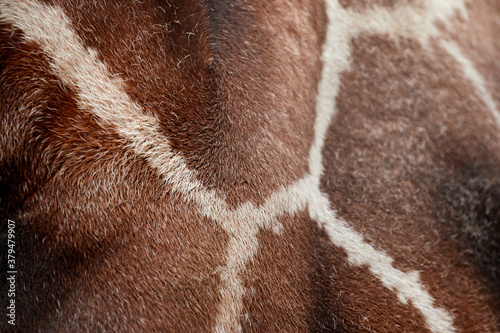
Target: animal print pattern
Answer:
pixel 235 166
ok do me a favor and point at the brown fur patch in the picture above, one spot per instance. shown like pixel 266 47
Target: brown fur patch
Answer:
pixel 299 281
pixel 277 280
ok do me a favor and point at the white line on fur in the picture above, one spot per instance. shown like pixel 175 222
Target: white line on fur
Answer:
pixel 80 68
pixel 406 285
pixel 474 76
pixel 416 21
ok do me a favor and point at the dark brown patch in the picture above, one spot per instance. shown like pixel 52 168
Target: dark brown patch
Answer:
pixel 409 129
pixel 160 277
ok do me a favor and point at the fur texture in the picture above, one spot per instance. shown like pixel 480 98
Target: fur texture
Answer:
pixel 259 166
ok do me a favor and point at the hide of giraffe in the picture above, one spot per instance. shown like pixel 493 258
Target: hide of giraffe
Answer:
pixel 251 166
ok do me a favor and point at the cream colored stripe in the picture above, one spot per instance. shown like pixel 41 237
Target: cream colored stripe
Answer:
pixel 416 21
pixel 406 285
pixel 103 95
pixel 474 76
